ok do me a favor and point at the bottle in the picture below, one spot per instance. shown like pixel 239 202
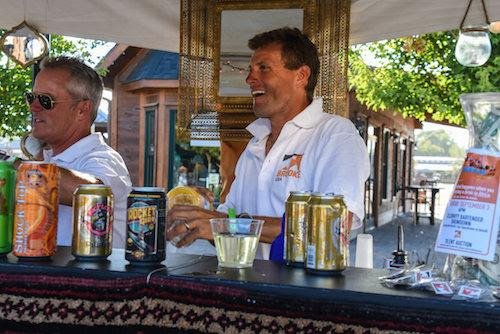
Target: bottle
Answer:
pixel 7 190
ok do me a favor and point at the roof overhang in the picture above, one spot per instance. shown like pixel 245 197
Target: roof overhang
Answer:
pixel 154 24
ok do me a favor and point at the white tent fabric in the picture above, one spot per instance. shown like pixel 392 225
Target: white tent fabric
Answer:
pixel 150 24
pixel 373 20
pixel 155 23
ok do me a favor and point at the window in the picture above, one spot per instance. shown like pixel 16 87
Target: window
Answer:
pixel 149 147
pixel 395 166
pixel 385 165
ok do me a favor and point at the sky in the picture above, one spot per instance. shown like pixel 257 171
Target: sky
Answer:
pixel 96 55
pixel 459 135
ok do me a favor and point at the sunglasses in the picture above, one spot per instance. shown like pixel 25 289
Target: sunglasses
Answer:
pixel 45 100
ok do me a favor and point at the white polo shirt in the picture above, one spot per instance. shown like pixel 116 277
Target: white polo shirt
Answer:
pixel 315 151
pixel 93 156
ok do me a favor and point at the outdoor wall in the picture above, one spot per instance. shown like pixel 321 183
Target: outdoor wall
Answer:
pixel 124 135
pixel 125 110
pixel 395 136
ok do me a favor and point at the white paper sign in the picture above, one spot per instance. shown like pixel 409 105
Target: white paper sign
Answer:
pixel 471 221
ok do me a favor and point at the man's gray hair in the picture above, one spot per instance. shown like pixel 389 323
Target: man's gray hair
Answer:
pixel 84 83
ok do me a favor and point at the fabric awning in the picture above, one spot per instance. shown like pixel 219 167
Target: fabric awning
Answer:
pixel 154 24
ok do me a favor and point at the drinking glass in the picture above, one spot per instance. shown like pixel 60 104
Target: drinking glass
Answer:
pixel 236 240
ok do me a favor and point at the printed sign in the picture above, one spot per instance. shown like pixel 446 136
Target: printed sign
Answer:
pixel 470 224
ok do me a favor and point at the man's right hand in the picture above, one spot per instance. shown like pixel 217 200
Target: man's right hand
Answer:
pixel 194 220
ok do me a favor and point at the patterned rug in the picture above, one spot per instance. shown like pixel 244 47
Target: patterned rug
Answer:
pixel 49 304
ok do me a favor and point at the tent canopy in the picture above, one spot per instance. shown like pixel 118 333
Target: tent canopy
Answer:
pixel 154 24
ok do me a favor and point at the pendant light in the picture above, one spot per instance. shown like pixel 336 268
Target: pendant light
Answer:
pixel 473 45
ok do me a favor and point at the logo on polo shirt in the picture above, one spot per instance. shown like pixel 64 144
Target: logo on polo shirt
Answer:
pixel 291 168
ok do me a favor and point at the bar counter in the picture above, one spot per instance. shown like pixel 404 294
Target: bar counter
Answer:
pixel 190 293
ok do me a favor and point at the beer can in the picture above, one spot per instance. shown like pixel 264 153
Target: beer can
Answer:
pixel 327 250
pixel 7 192
pixel 145 236
pixel 92 222
pixel 296 218
pixel 37 205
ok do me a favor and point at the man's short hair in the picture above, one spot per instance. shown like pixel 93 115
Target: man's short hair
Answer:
pixel 84 83
pixel 297 50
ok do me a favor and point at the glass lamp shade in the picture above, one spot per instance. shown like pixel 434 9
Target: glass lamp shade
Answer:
pixel 473 47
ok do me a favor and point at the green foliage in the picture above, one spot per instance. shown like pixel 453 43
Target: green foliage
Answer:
pixel 14 113
pixel 15 80
pixel 420 75
pixel 437 143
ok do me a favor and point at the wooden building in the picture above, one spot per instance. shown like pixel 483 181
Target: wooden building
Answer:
pixel 144 84
pixel 390 142
pixel 142 126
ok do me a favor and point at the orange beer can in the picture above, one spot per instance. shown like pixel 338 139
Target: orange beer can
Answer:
pixel 37 203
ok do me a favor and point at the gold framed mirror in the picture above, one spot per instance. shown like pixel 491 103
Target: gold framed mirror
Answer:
pixel 24 44
pixel 213 99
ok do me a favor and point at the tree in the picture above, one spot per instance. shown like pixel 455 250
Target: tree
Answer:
pixel 15 80
pixel 437 143
pixel 419 76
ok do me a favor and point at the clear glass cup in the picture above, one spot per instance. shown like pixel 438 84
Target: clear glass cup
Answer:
pixel 236 240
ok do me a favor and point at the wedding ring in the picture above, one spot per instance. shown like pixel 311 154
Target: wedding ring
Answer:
pixel 187 225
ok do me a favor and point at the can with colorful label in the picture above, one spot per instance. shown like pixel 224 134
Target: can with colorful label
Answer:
pixel 7 192
pixel 327 250
pixel 36 209
pixel 296 218
pixel 92 222
pixel 146 212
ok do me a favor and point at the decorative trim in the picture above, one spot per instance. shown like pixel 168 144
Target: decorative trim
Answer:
pixel 325 21
pixel 38 301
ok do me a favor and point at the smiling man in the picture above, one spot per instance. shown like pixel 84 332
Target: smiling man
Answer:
pixel 63 105
pixel 295 145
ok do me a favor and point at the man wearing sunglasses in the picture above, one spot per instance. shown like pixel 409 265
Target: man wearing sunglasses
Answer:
pixel 63 105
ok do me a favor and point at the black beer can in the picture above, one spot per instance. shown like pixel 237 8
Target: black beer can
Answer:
pixel 145 238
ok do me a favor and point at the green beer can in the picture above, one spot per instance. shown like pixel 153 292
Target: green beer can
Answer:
pixel 7 190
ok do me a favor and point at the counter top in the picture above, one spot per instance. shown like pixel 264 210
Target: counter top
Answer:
pixel 270 290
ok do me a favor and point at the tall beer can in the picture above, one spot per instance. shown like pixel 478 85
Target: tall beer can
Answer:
pixel 146 212
pixel 7 191
pixel 92 222
pixel 296 217
pixel 327 235
pixel 37 205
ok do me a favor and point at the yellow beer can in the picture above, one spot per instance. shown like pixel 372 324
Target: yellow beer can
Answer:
pixel 92 222
pixel 296 218
pixel 327 250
